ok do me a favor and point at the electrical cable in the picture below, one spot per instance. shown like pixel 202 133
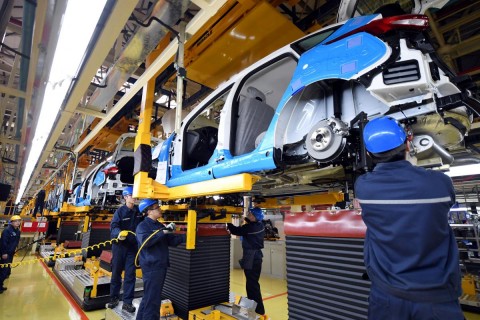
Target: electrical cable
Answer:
pixel 56 256
pixel 80 251
pixel 26 251
pixel 145 25
pixel 143 244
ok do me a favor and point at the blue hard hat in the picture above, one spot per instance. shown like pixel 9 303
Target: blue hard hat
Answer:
pixel 258 213
pixel 145 203
pixel 127 191
pixel 383 134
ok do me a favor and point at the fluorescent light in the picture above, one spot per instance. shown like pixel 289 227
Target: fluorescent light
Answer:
pixel 78 24
pixel 466 170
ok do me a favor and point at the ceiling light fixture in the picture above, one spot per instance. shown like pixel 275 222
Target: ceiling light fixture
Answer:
pixel 78 25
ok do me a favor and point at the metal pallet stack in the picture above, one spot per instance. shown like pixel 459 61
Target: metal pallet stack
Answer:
pixel 200 277
pixel 325 269
pixel 67 231
pixel 98 233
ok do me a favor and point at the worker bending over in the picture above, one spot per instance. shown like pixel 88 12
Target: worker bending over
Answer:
pixel 8 244
pixel 253 233
pixel 154 238
pixel 123 225
pixel 410 250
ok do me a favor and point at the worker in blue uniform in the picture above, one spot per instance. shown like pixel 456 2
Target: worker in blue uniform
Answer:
pixel 153 239
pixel 9 242
pixel 123 225
pixel 253 234
pixel 410 251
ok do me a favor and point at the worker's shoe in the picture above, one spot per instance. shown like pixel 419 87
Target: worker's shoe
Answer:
pixel 129 307
pixel 113 303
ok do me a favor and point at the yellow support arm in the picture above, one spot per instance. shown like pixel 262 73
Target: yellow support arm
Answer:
pixel 86 222
pixel 191 229
pixel 146 187
pixel 238 183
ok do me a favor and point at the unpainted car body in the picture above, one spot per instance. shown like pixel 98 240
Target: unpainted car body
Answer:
pixel 103 183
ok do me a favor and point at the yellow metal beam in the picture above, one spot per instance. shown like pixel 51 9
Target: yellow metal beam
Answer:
pixel 13 92
pixel 191 230
pixel 233 184
pixel 145 187
pixel 324 198
pixel 86 221
pixel 69 208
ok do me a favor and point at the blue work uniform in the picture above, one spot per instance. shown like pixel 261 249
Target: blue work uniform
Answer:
pixel 410 250
pixel 9 243
pixel 253 234
pixel 124 252
pixel 154 262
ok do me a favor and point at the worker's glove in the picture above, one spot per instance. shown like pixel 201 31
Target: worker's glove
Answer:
pixel 171 227
pixel 229 226
pixel 123 235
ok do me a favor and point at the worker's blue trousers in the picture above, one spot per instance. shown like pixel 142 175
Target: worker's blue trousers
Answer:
pixel 152 294
pixel 384 306
pixel 253 286
pixel 123 259
pixel 5 272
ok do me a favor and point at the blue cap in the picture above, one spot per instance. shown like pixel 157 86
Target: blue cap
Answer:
pixel 127 191
pixel 383 134
pixel 145 203
pixel 258 213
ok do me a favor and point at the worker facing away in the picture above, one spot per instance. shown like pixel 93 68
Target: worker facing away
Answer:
pixel 410 251
pixel 8 244
pixel 153 239
pixel 253 233
pixel 123 225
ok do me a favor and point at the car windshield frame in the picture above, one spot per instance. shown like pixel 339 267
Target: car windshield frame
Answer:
pixel 314 39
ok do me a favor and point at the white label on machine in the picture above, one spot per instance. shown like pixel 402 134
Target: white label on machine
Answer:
pixel 27 224
pixel 162 172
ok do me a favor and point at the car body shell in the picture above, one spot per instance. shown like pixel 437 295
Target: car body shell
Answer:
pixel 316 88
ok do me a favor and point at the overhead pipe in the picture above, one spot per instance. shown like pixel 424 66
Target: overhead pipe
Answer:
pixel 137 50
pixel 27 35
pixel 28 71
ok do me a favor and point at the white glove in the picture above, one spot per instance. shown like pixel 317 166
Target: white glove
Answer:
pixel 171 227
